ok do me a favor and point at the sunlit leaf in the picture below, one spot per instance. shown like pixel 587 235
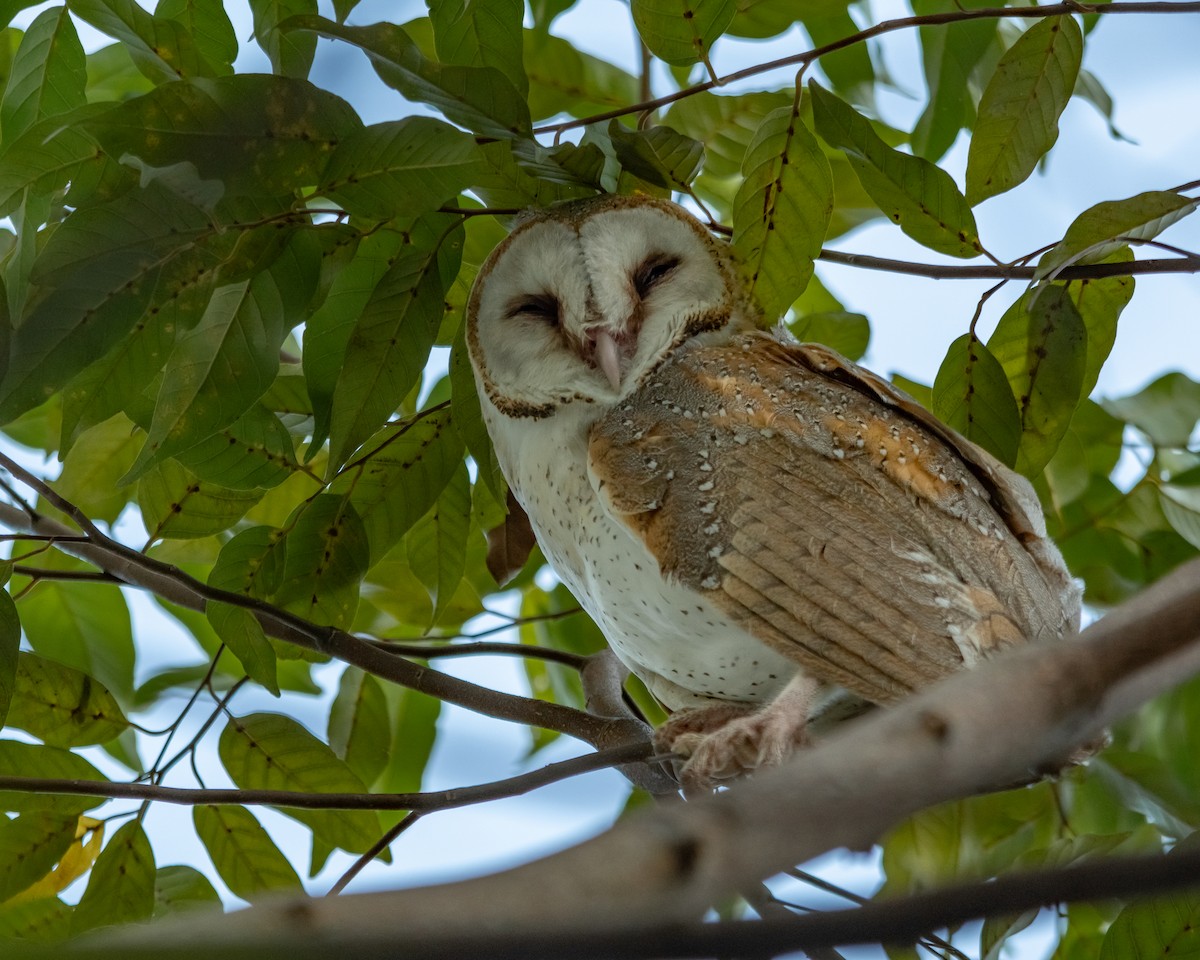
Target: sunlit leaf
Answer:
pixel 480 98
pixel 273 752
pixel 48 74
pixel 781 210
pixel 89 631
pixel 121 886
pixel 1103 229
pixel 1041 342
pixel 92 470
pixel 682 31
pixel 62 706
pixel 971 394
pixel 911 191
pixel 1100 303
pixel 1020 107
pixel 245 856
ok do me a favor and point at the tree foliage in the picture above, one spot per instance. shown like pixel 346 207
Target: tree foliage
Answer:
pixel 220 293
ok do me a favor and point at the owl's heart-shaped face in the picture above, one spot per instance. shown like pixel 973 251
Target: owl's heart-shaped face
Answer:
pixel 582 300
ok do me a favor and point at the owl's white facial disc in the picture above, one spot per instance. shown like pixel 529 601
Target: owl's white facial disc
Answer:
pixel 581 302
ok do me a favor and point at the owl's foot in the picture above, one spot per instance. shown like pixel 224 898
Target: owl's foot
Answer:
pixel 727 741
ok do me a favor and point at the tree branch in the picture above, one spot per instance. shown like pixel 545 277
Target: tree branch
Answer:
pixel 1017 714
pixel 887 26
pixel 423 802
pixel 1009 271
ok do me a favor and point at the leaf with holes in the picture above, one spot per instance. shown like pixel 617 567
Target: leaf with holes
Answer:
pixel 1103 229
pixel 1041 342
pixel 271 752
pixel 682 32
pixel 1020 106
pixel 781 210
pixel 972 395
pixel 911 191
pixel 245 856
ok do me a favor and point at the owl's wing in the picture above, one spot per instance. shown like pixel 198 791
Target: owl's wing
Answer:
pixel 830 515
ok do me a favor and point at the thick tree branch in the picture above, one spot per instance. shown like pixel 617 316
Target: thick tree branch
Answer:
pixel 994 725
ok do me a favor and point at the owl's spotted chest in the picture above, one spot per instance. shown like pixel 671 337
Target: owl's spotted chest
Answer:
pixel 685 649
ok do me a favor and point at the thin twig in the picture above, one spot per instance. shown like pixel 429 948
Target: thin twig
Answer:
pixel 376 849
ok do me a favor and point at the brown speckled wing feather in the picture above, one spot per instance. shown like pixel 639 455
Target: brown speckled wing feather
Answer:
pixel 829 515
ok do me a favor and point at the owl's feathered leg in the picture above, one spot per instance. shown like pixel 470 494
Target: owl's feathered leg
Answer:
pixel 727 741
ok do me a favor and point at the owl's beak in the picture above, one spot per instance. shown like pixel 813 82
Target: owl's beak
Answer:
pixel 608 357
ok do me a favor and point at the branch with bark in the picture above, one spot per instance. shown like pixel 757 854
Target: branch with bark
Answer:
pixel 642 886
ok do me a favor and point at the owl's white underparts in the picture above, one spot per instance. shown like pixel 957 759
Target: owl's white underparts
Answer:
pixel 757 526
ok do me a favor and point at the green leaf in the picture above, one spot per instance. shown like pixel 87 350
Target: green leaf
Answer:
pixel 217 370
pixel 92 470
pixel 400 168
pixel 479 98
pixel 47 156
pixel 1020 107
pixel 1182 508
pixel 48 74
pixel 781 210
pixel 481 35
pixel 400 480
pixel 911 191
pixel 177 505
pixel 1166 926
pixel 273 752
pixel 658 155
pixel 163 49
pixel 972 395
pixel 1105 228
pixel 291 54
pixel 247 565
pixel 1041 342
pixel 391 339
pixel 847 333
pixel 47 763
pixel 1166 410
pixel 682 32
pixel 723 125
pixel 245 856
pixel 950 53
pixel 414 731
pixel 1100 303
pixel 503 183
pixel 207 25
pixel 850 69
pixel 467 415
pixel 180 888
pixel 255 133
pixel 256 450
pixel 89 631
pixel 121 886
pixel 101 269
pixel 10 644
pixel 30 845
pixel 327 556
pixel 112 75
pixel 62 706
pixel 565 80
pixel 437 544
pixel 43 920
pixel 360 731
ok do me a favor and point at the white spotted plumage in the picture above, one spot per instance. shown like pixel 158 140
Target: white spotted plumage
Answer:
pixel 755 524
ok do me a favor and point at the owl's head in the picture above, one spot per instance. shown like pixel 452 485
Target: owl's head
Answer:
pixel 581 301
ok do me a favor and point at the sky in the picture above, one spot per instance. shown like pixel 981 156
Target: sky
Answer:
pixel 1148 65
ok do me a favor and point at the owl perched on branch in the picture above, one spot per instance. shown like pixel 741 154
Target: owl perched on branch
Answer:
pixel 758 526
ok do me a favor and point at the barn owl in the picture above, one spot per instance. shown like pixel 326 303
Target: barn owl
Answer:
pixel 758 526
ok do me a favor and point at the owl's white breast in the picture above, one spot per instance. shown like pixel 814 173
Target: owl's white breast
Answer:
pixel 668 634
